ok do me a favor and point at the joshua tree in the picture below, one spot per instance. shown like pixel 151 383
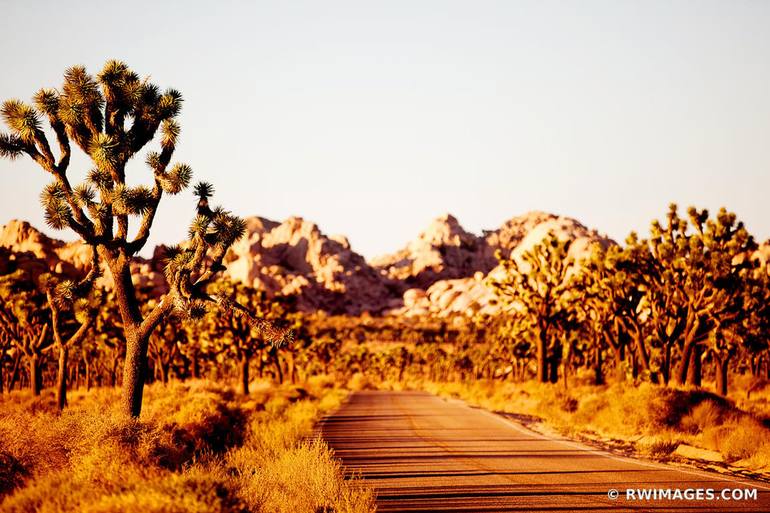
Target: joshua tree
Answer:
pixel 512 340
pixel 695 283
pixel 111 118
pixel 534 289
pixel 164 347
pixel 64 295
pixel 235 333
pixel 609 297
pixel 747 329
pixel 24 324
pixel 84 313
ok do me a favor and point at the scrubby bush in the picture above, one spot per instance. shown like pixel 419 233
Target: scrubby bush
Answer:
pixel 740 437
pixel 199 448
pixel 663 417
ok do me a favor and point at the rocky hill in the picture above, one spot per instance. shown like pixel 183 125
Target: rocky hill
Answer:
pixel 467 294
pixel 444 250
pixel 295 257
pixel 33 252
pixel 441 272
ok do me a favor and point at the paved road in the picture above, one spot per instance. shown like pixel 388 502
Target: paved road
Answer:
pixel 423 453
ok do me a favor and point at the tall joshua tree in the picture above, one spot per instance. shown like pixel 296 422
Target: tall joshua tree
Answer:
pixel 24 325
pixel 240 336
pixel 63 295
pixel 696 283
pixel 111 118
pixel 535 290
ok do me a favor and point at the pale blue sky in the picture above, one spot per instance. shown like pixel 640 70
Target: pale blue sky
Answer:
pixel 371 118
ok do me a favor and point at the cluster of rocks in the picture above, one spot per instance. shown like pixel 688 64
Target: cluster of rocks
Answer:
pixel 442 272
pixel 25 248
pixel 295 258
pixel 443 251
pixel 465 291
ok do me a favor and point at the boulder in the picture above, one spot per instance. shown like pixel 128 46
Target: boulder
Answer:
pixel 696 453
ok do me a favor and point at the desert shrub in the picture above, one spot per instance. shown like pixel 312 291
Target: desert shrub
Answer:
pixel 666 416
pixel 321 382
pixel 207 421
pixel 12 473
pixel 760 460
pixel 181 424
pixel 703 416
pixel 305 479
pixel 659 447
pixel 197 448
pixel 130 488
pixel 739 438
pixel 279 470
pixel 568 404
pixel 648 409
pixel 360 381
pixel 297 393
pixel 589 407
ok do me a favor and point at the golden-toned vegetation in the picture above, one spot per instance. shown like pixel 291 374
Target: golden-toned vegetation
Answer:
pixel 652 419
pixel 199 446
pixel 663 318
pixel 112 117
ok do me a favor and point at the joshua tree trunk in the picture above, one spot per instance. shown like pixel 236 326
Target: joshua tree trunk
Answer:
pixel 87 366
pixel 137 335
pixel 542 356
pixel 14 372
pixel 690 351
pixel 163 368
pixel 196 366
pixel 114 372
pixel 35 378
pixel 620 360
pixel 666 367
pixel 722 365
pixel 61 379
pixel 134 370
pixel 694 369
pixel 598 371
pixel 278 370
pixel 244 373
pixel 135 364
pixel 291 369
pixel 553 369
pixel 684 365
pixel 643 356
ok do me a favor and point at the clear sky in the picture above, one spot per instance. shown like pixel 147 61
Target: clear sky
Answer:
pixel 371 118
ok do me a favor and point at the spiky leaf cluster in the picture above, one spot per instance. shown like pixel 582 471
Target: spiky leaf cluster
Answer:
pixel 55 208
pixel 177 179
pixel 110 117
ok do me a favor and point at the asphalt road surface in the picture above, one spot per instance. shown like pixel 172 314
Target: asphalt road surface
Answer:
pixel 423 453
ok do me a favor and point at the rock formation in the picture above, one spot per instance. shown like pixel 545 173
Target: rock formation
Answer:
pixel 36 253
pixel 296 258
pixel 469 295
pixel 440 273
pixel 444 250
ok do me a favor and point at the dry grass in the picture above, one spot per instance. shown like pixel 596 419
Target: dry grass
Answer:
pixel 197 447
pixel 656 419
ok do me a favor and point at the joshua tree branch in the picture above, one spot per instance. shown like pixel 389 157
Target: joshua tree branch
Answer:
pixel 143 234
pixel 163 308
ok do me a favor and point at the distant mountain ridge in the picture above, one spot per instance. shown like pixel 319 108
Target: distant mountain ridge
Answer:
pixel 439 273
